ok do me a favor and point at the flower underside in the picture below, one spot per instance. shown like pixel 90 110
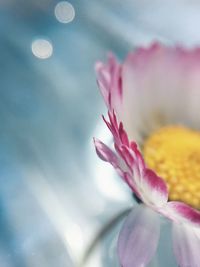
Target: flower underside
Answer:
pixel 174 153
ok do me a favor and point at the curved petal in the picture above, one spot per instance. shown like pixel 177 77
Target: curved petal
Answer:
pixel 149 100
pixel 142 97
pixel 186 243
pixel 139 237
pixel 181 212
pixel 150 188
pixel 109 82
pixel 106 154
pixel 154 189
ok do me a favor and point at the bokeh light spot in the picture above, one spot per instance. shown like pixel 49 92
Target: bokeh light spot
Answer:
pixel 42 48
pixel 64 12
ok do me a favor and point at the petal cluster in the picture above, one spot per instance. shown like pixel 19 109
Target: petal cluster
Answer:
pixel 125 89
pixel 130 165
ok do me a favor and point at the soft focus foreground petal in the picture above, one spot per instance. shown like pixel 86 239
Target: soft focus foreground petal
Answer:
pixel 139 237
pixel 181 212
pixel 149 99
pixel 186 243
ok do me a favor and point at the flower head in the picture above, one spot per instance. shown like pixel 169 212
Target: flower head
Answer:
pixel 153 103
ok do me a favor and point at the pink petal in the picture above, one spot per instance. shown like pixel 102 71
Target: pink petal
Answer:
pixel 154 189
pixel 186 245
pixel 139 237
pixel 181 212
pixel 109 81
pixel 150 188
pixel 142 97
pixel 106 154
pixel 128 150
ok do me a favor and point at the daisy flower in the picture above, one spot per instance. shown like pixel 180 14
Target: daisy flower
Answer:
pixel 153 102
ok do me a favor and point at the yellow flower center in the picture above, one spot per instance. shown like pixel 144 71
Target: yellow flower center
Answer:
pixel 173 152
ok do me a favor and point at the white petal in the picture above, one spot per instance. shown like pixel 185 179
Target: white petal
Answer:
pixel 160 86
pixel 153 189
pixel 186 242
pixel 138 238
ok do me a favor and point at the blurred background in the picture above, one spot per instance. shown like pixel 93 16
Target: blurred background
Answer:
pixel 56 197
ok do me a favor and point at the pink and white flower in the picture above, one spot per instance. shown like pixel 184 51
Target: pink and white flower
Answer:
pixel 149 82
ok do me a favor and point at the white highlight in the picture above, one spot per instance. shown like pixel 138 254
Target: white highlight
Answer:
pixel 69 232
pixel 106 181
pixel 64 12
pixel 42 48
